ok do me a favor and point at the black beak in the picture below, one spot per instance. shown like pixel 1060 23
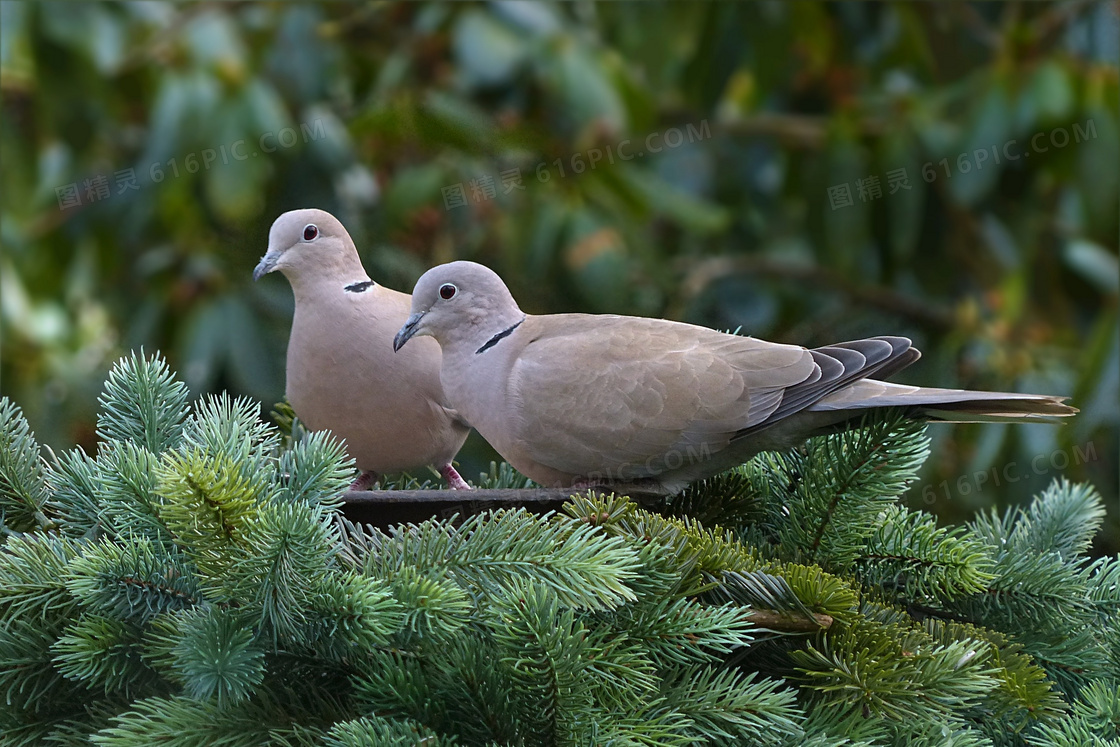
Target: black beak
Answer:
pixel 407 331
pixel 266 265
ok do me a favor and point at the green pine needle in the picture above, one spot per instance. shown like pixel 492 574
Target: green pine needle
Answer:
pixel 33 571
pixel 896 672
pixel 104 653
pixel 315 470
pixel 217 656
pixel 585 569
pixel 195 583
pixel 837 485
pixel 134 581
pixel 727 707
pixel 76 497
pixel 142 402
pixel 910 557
pixel 349 614
pixel 207 502
pixel 372 731
pixel 23 488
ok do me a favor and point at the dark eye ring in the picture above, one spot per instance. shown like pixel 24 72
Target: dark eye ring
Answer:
pixel 310 232
pixel 447 291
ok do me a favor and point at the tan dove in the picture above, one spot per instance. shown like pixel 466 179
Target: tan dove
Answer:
pixel 582 399
pixel 342 371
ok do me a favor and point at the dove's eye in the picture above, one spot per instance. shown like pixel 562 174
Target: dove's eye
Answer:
pixel 447 291
pixel 310 232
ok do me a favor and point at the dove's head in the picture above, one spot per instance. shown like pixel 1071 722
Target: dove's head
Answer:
pixel 309 244
pixel 459 302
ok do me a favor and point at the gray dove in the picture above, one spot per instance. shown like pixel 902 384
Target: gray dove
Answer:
pixel 342 373
pixel 584 399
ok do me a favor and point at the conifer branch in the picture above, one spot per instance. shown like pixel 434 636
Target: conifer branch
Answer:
pixel 198 585
pixel 143 403
pixel 23 489
pixel 784 622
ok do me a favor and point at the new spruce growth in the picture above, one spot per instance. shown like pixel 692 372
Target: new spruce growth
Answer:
pixel 195 583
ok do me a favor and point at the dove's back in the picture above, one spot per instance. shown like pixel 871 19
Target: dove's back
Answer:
pixel 576 398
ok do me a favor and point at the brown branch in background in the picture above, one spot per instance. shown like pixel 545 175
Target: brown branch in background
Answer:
pixel 795 130
pixel 971 19
pixel 162 46
pixel 1057 17
pixel 706 272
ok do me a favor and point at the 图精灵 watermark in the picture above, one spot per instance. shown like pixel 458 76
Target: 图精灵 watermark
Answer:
pixel 484 187
pixel 98 188
pixel 870 187
pixel 1010 473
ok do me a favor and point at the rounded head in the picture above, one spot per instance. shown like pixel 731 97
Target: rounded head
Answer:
pixel 459 300
pixel 303 242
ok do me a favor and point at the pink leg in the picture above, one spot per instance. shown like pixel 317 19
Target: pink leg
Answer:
pixel 365 481
pixel 454 480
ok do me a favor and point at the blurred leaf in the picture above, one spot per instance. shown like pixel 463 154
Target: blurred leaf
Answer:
pixel 488 51
pixel 905 197
pixel 107 36
pixel 550 217
pixel 266 110
pixel 202 346
pixel 1097 176
pixel 13 37
pixel 577 77
pixel 595 255
pixel 664 198
pixel 181 115
pixel 540 19
pixel 329 140
pixel 250 364
pixel 54 170
pixel 1051 92
pixel 846 225
pixel 300 61
pixel 413 188
pixel 1000 241
pixel 235 191
pixel 973 169
pixel 214 40
pixel 454 122
pixel 1094 263
pixel 94 28
pixel 234 183
pixel 1099 380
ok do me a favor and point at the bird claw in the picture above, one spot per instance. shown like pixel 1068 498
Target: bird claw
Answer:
pixel 454 479
pixel 365 481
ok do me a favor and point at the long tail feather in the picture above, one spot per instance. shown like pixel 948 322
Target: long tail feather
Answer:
pixel 949 405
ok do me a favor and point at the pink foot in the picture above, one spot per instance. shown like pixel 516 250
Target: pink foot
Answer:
pixel 454 480
pixel 365 481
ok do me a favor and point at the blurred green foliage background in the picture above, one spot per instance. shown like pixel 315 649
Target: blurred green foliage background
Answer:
pixel 805 171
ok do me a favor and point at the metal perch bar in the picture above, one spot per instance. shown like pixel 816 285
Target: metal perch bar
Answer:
pixel 509 495
pixel 384 508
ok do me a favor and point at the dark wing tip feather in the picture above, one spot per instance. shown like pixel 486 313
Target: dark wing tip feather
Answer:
pixel 844 363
